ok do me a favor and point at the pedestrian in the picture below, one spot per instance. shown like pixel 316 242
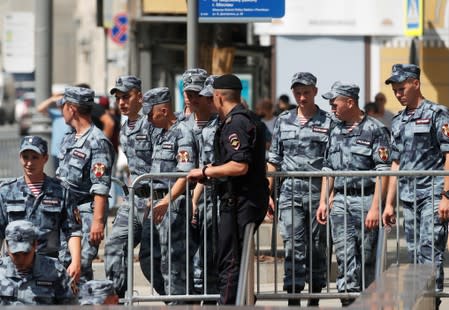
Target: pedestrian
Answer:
pixel 357 143
pixel 86 159
pixel 58 125
pixel 28 278
pixel 98 292
pixel 283 104
pixel 239 170
pixel 372 110
pixel 174 151
pixel 420 141
pixel 204 121
pixel 136 139
pixel 42 200
pixel 299 141
pixel 383 115
pixel 265 110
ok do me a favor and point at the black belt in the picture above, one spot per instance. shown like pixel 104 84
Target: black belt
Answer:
pixel 159 193
pixel 85 200
pixel 356 191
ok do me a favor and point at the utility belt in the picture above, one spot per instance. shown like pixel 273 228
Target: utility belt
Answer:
pixel 144 191
pixel 52 254
pixel 356 191
pixel 84 200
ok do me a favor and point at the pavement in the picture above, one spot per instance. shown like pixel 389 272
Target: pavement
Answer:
pixel 270 269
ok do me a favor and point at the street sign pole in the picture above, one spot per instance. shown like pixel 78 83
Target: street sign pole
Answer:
pixel 192 34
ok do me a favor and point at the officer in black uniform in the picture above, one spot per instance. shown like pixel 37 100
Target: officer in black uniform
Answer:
pixel 239 172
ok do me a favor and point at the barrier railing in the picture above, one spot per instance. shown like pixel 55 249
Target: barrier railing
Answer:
pixel 384 255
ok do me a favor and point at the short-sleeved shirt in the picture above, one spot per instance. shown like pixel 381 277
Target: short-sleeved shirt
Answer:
pixel 365 147
pixel 174 151
pixel 297 147
pixel 419 142
pixel 50 212
pixel 47 284
pixel 240 139
pixel 86 163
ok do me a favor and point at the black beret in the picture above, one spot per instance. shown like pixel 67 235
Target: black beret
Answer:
pixel 227 81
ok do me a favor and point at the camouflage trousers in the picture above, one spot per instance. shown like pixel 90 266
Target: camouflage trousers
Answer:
pixel 116 246
pixel 205 274
pixel 88 250
pixel 296 223
pixel 169 239
pixel 431 235
pixel 346 223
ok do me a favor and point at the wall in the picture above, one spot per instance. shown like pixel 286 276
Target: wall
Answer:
pixel 328 58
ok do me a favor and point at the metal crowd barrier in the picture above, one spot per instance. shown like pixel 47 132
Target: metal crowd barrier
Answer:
pixel 388 249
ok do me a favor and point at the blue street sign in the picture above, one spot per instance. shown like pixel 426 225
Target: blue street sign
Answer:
pixel 241 9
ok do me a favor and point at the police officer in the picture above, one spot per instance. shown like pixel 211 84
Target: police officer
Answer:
pixel 136 139
pixel 174 150
pixel 358 142
pixel 85 168
pixel 299 142
pixel 29 278
pixel 42 200
pixel 240 159
pixel 98 292
pixel 420 141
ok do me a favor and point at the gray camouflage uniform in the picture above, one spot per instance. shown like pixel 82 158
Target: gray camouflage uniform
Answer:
pixel 85 166
pixel 365 147
pixel 46 284
pixel 297 147
pixel 137 144
pixel 174 150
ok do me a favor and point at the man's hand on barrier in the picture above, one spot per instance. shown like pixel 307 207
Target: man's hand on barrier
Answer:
pixel 389 217
pixel 159 211
pixel 443 209
pixel 372 218
pixel 196 175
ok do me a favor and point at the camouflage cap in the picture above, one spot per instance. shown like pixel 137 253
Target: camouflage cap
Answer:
pixel 125 83
pixel 402 72
pixel 20 236
pixel 342 89
pixel 34 143
pixel 208 89
pixel 304 78
pixel 78 95
pixel 193 79
pixel 95 292
pixel 155 96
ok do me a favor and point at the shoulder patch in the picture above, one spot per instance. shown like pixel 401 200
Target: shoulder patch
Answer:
pixel 234 141
pixel 99 169
pixel 445 130
pixel 383 152
pixel 183 156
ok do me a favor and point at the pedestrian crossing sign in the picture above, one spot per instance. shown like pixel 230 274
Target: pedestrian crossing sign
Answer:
pixel 414 18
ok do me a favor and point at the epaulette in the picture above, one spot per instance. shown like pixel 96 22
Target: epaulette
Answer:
pixel 9 181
